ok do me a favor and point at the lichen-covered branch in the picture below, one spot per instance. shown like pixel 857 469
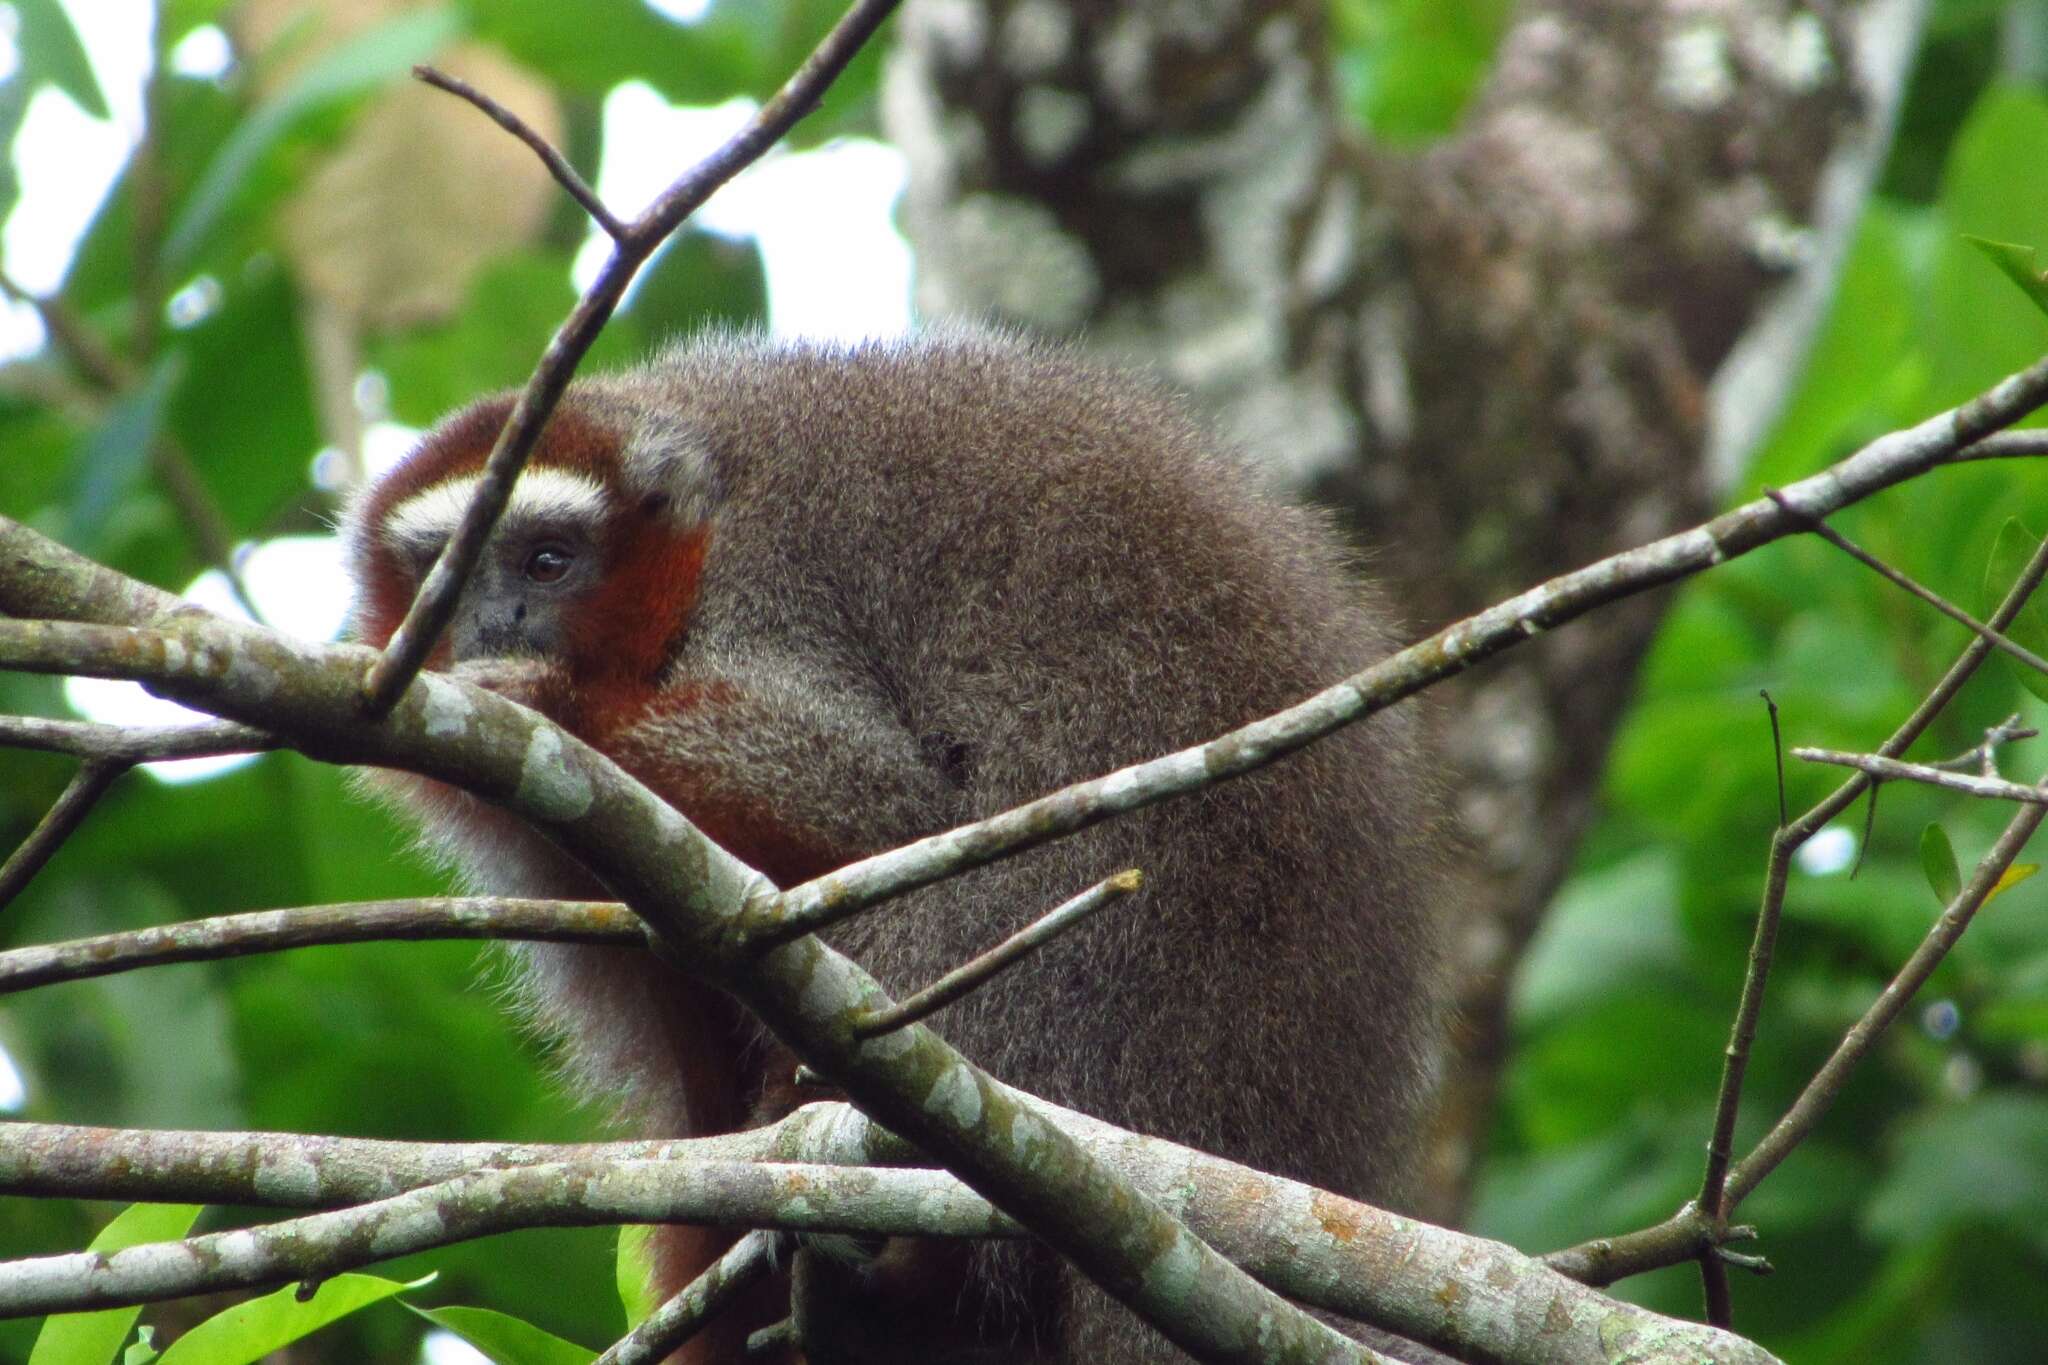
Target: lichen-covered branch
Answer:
pixel 1313 1246
pixel 683 1316
pixel 480 1203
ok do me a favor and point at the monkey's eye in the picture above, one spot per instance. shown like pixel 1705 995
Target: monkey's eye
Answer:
pixel 548 563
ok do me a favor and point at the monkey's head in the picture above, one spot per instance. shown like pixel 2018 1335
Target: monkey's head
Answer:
pixel 594 565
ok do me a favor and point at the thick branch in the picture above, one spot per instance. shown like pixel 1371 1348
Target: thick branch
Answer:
pixel 1313 1246
pixel 130 744
pixel 477 1205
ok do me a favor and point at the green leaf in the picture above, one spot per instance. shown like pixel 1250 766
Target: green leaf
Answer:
pixel 2014 546
pixel 1938 862
pixel 505 1339
pixel 94 1338
pixel 1870 331
pixel 50 51
pixel 384 53
pixel 1410 66
pixel 1609 929
pixel 1985 1161
pixel 114 458
pixel 635 1270
pixel 1978 330
pixel 2011 877
pixel 592 46
pixel 142 1351
pixel 250 1331
pixel 252 453
pixel 2017 262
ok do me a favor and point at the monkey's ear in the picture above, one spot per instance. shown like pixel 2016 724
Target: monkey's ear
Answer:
pixel 667 470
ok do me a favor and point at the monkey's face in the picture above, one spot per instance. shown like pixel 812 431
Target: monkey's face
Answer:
pixel 592 568
pixel 544 562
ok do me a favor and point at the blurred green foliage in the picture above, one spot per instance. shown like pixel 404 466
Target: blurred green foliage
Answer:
pixel 1908 1229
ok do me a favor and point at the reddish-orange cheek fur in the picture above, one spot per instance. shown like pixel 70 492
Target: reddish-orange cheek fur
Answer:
pixel 617 652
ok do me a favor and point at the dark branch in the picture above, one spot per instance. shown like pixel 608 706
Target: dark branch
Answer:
pixel 1925 594
pixel 551 157
pixel 1011 950
pixel 64 817
pixel 432 609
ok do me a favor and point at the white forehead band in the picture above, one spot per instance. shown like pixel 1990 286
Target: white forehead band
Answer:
pixel 544 495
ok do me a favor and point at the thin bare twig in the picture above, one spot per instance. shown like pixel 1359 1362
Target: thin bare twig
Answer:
pixel 1820 1092
pixel 70 335
pixel 1891 770
pixel 1925 594
pixel 1983 756
pixel 62 820
pixel 749 1260
pixel 1778 757
pixel 270 931
pixel 434 605
pixel 968 975
pixel 1713 1203
pixel 558 165
pixel 201 515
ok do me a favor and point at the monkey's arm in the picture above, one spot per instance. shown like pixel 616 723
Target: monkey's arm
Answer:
pixel 790 767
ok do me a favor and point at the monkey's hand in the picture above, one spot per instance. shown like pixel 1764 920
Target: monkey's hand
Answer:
pixel 527 679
